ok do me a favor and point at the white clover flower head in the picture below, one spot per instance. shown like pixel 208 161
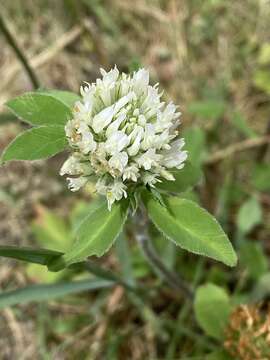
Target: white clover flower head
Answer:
pixel 122 135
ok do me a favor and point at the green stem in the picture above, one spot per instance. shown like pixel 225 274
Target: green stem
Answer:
pixel 22 58
pixel 109 275
pixel 173 279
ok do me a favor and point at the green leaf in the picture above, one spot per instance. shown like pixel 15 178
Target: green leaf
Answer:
pixel 249 215
pixel 212 309
pixel 191 227
pixel 49 292
pixel 82 209
pixel 36 256
pixel 38 108
pixel 253 259
pixel 157 195
pixel 36 143
pixel 66 97
pixel 184 179
pixel 95 235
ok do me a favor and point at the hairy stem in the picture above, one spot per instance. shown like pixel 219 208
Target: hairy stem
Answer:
pixel 144 241
pixel 22 58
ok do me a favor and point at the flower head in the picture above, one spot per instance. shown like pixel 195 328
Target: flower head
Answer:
pixel 122 135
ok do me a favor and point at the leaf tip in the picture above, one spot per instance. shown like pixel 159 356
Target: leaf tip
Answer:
pixel 233 260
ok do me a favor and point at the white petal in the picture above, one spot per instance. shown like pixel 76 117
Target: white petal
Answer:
pixel 72 166
pixel 122 102
pixel 115 124
pixel 119 161
pixel 111 76
pixel 76 183
pixel 141 81
pixel 102 119
pixel 101 187
pixel 131 173
pixel 174 157
pixel 116 142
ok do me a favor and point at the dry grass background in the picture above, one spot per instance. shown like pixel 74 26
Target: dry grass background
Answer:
pixel 196 50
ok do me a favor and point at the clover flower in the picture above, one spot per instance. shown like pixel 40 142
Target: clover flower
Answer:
pixel 122 136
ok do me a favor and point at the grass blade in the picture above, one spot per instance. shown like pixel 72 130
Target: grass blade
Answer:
pixel 49 292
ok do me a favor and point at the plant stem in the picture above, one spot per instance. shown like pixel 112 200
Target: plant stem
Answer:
pixel 91 267
pixel 173 279
pixel 22 58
